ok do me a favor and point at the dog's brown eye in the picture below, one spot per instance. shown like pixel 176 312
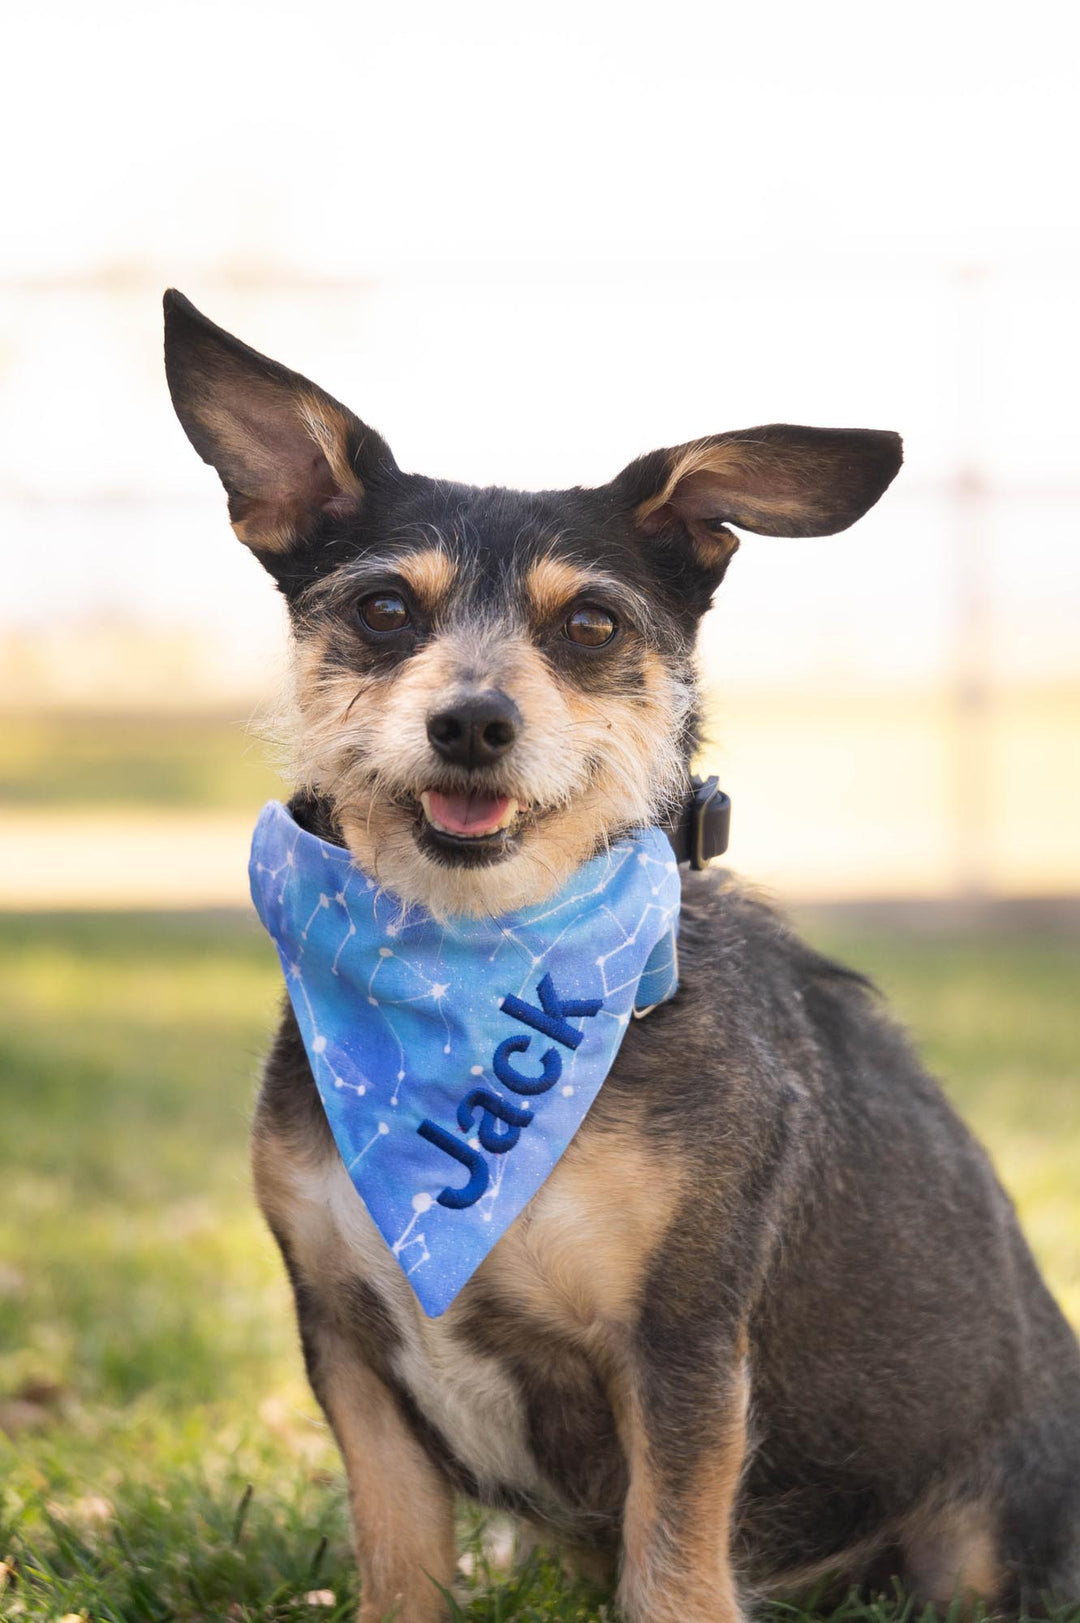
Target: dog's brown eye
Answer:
pixel 590 627
pixel 384 611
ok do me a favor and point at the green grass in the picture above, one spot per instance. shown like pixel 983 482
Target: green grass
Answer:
pixel 148 1366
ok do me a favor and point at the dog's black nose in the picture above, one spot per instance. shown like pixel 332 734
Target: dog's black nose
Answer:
pixel 476 731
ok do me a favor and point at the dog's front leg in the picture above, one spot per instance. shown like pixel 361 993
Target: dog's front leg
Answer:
pixel 682 1420
pixel 402 1505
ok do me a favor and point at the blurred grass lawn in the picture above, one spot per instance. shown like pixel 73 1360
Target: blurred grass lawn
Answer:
pixel 75 761
pixel 148 1367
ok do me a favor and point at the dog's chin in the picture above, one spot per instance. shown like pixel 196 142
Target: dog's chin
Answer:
pixel 467 851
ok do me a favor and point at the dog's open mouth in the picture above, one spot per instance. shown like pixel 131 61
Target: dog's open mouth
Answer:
pixel 470 826
pixel 468 816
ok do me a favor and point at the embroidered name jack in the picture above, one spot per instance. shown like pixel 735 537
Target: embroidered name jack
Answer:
pixel 551 1019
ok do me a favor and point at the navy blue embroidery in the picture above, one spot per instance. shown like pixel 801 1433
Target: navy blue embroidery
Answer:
pixel 468 1194
pixel 494 1110
pixel 551 1020
pixel 550 1059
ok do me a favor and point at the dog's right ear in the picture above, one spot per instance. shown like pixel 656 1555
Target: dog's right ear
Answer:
pixel 287 453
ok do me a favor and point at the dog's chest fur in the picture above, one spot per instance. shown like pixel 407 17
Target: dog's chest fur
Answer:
pixel 464 1394
pixel 524 1340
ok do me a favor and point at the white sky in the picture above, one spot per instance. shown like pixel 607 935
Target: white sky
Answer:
pixel 529 244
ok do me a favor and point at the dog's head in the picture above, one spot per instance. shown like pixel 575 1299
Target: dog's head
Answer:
pixel 490 684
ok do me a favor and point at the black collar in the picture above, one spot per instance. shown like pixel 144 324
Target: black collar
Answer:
pixel 700 830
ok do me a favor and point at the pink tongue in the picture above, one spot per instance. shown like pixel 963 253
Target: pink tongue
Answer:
pixel 468 814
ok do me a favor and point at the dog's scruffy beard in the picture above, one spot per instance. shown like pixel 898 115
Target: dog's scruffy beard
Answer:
pixel 586 768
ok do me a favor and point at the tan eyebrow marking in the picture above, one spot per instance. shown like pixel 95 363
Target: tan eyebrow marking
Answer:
pixel 552 582
pixel 430 573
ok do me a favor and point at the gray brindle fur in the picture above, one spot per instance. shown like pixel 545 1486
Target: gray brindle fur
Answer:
pixel 771 1322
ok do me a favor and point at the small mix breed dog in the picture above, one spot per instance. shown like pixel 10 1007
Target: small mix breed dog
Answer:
pixel 771 1318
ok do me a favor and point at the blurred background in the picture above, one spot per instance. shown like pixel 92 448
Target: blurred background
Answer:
pixel 526 245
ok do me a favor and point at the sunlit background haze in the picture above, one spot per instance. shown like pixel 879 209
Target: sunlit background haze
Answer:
pixel 528 244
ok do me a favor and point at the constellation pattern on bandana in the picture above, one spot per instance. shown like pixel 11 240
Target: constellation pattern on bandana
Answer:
pixel 339 899
pixel 401 1015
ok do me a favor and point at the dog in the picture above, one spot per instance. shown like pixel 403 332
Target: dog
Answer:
pixel 770 1322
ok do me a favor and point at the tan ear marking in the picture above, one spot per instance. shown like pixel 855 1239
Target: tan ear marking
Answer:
pixel 254 532
pixel 708 469
pixel 690 492
pixel 270 522
pixel 700 456
pixel 330 432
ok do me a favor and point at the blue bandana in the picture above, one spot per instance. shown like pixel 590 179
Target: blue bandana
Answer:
pixel 457 1060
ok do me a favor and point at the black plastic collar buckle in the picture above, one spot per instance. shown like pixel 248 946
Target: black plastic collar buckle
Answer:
pixel 702 828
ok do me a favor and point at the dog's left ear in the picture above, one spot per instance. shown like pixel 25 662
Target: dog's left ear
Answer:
pixel 287 453
pixel 776 480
